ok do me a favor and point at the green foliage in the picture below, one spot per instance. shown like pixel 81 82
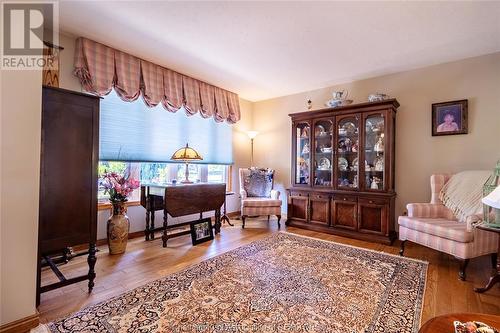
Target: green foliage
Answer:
pixel 118 167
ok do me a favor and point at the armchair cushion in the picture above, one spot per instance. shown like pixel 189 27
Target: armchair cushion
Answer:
pixel 260 202
pixel 440 227
pixel 259 182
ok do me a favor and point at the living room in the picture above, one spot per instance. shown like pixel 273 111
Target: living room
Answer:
pixel 252 167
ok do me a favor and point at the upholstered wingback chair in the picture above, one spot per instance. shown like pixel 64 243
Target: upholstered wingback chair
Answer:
pixel 257 194
pixel 435 226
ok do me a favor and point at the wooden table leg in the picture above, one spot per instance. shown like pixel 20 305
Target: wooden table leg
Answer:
pixel 217 221
pixel 146 231
pixel 152 228
pixel 495 278
pixel 91 260
pixel 224 217
pixel 165 224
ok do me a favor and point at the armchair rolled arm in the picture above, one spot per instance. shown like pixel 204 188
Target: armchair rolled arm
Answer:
pixel 243 194
pixel 275 194
pixel 426 210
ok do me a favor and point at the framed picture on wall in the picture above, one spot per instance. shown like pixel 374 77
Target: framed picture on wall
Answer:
pixel 449 118
pixel 201 231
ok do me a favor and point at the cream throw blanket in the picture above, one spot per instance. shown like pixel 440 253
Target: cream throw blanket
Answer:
pixel 463 192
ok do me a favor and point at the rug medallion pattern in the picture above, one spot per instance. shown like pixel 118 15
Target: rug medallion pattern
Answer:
pixel 283 283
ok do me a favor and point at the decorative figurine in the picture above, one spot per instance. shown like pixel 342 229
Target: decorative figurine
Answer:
pixel 305 149
pixel 379 146
pixel 309 104
pixel 348 144
pixel 379 165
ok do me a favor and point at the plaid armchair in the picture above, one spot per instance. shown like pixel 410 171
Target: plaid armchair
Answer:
pixel 435 226
pixel 257 196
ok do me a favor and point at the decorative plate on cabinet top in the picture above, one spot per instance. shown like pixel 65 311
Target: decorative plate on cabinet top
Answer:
pixel 343 164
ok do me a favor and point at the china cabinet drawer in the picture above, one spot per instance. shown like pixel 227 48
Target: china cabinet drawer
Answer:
pixel 298 194
pixel 345 198
pixel 319 196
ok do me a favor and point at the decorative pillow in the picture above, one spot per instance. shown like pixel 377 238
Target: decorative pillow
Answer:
pixel 259 183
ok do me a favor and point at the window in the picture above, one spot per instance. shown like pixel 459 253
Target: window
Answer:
pixel 131 131
pixel 161 173
pixel 140 141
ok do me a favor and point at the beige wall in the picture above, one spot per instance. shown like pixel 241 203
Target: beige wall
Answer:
pixel 20 171
pixel 241 145
pixel 418 154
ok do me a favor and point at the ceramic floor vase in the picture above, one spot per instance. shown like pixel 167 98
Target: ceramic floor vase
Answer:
pixel 117 228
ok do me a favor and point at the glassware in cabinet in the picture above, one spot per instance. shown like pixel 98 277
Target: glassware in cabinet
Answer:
pixel 323 152
pixel 374 152
pixel 302 153
pixel 348 152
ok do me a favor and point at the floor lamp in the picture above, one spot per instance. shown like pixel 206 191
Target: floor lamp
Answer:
pixel 251 135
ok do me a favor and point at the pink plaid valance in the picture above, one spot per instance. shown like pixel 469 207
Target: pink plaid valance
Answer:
pixel 101 68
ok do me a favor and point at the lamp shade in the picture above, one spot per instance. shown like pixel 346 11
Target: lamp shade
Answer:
pixel 186 154
pixel 493 199
pixel 252 134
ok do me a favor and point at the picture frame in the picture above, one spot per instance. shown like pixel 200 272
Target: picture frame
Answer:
pixel 450 118
pixel 201 231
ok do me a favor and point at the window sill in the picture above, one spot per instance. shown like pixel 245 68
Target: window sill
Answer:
pixel 107 205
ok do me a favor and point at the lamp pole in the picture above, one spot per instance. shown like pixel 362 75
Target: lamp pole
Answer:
pixel 251 135
pixel 251 154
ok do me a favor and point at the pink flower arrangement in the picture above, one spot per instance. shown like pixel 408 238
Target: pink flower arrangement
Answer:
pixel 119 187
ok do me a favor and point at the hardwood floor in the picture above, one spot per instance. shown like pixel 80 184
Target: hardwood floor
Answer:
pixel 147 261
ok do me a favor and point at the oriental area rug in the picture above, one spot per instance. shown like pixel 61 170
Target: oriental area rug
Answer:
pixel 282 283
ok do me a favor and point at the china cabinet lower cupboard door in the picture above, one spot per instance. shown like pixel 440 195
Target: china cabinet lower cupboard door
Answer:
pixel 319 209
pixel 344 213
pixel 373 216
pixel 297 206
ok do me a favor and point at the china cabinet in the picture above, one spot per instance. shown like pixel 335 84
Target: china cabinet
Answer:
pixel 343 170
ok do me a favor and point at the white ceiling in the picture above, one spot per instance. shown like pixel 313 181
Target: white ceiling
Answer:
pixel 262 50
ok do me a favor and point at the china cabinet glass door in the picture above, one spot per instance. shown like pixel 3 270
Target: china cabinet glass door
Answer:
pixel 302 153
pixel 375 161
pixel 323 152
pixel 347 152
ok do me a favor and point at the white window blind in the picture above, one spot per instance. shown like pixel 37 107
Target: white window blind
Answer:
pixel 131 131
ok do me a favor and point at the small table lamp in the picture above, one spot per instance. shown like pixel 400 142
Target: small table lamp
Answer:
pixel 493 200
pixel 186 154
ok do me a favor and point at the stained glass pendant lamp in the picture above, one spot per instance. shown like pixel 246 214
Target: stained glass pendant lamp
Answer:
pixel 186 154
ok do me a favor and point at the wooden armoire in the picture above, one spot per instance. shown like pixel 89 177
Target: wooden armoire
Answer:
pixel 68 181
pixel 343 170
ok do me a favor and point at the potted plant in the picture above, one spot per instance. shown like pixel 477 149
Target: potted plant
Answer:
pixel 119 188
